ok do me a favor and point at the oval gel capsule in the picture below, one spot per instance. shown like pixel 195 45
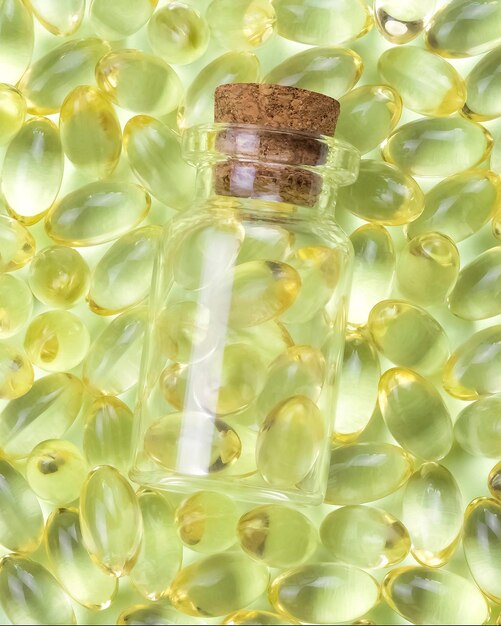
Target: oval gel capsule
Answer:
pixel 16 372
pixel 241 24
pixel 120 18
pixel 59 18
pixel 16 305
pixel 12 112
pixel 484 89
pixel 401 22
pixel 16 40
pixel 478 427
pixel 17 245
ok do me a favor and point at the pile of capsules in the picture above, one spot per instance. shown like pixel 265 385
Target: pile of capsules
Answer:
pixel 94 98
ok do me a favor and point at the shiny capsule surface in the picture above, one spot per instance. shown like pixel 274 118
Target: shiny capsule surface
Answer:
pixel 241 24
pixel 494 481
pixel 478 427
pixel 120 18
pixel 432 511
pixel 16 39
pixel 16 304
pixel 401 22
pixel 153 614
pixel 97 213
pixel 428 84
pixel 438 146
pixel 484 88
pixel 364 536
pixel 277 535
pixel 264 618
pixel 31 595
pixel 17 244
pixel 33 170
pixel 70 562
pixel 12 112
pixel 16 372
pixel 59 18
pixel 182 330
pixel 324 593
pixel 110 519
pixel 415 414
pixel 238 580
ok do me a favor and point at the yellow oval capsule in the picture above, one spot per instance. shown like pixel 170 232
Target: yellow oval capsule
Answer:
pixel 157 614
pixel 57 341
pixel 360 370
pixel 113 361
pixel 459 206
pixel 427 83
pixel 16 39
pixel 373 271
pixel 408 336
pixel 478 427
pixel 270 338
pixel 322 23
pixel 496 154
pixel 110 519
pixel 364 472
pixel 121 18
pixel 494 481
pixel 401 22
pixel 90 132
pixel 70 562
pixel 46 411
pixel 17 244
pixel 294 424
pixel 465 28
pixel 139 82
pixel 364 536
pixel 277 535
pixel 59 277
pixel 415 414
pixel 432 511
pixel 428 268
pixel 331 71
pixel 122 276
pixel 49 79
pixel 59 18
pixel 206 522
pixel 29 594
pixel 12 112
pixel 232 67
pixel 438 146
pixel 21 519
pixel 16 372
pixel 484 91
pixel 97 213
pixel 218 584
pixel 55 471
pixel 265 242
pixel 264 618
pixel 383 194
pixel 324 593
pixel 473 368
pixel 33 170
pixel 178 33
pixel 241 24
pixel 16 304
pixel 182 330
pixel 431 596
pixel 154 155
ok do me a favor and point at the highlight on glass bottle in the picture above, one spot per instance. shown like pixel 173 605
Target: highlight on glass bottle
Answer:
pixel 248 305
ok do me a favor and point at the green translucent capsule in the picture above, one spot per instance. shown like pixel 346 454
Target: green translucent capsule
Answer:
pixel 494 481
pixel 49 79
pixel 415 414
pixel 232 67
pixel 55 471
pixel 265 242
pixel 427 268
pixel 427 83
pixel 241 24
pixel 331 71
pixel 120 18
pixel 182 329
pixel 264 618
pixel 33 170
pixel 277 535
pixel 46 411
pixel 12 112
pixel 438 146
pixel 496 154
pixel 16 304
pixel 59 277
pixel 465 28
pixel 400 22
pixel 97 213
pixel 459 205
pixel 484 88
pixel 218 585
pixel 122 276
pixel 16 372
pixel 17 245
pixel 59 18
pixel 70 562
pixel 473 369
pixel 29 594
pixel 155 614
pixel 113 361
pixel 364 472
pixel 154 155
pixel 408 336
pixel 324 593
pixel 478 427
pixel 364 536
pixel 206 522
pixel 432 511
pixel 383 194
pixel 21 519
pixel 16 39
pixel 110 519
pixel 90 132
pixel 57 341
pixel 178 33
pixel 139 82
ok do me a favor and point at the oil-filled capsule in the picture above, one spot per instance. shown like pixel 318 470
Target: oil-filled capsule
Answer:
pixel 241 24
pixel 484 88
pixel 12 112
pixel 401 22
pixel 254 617
pixel 155 613
pixel 16 40
pixel 16 304
pixel 59 18
pixel 121 18
pixel 16 372
pixel 478 427
pixel 494 481
pixel 17 245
